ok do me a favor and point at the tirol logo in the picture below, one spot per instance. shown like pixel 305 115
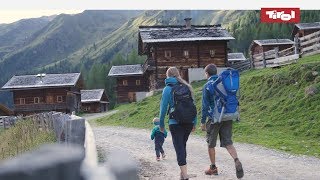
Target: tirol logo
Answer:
pixel 280 15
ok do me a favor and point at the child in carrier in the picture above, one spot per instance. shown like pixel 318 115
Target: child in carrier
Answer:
pixel 158 138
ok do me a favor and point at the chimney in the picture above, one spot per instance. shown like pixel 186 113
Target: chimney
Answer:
pixel 41 76
pixel 188 23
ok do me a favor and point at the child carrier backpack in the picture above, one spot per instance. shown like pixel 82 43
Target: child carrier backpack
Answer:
pixel 224 90
pixel 184 110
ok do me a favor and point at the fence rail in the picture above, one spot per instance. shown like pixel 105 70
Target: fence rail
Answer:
pixel 310 44
pixel 275 58
pixel 241 65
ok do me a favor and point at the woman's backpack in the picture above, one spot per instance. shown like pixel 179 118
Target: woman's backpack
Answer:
pixel 184 110
pixel 225 89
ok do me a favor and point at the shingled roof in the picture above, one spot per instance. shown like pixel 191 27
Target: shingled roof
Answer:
pixel 153 34
pixel 265 42
pixel 49 80
pixel 126 70
pixel 93 95
pixel 236 57
pixel 313 25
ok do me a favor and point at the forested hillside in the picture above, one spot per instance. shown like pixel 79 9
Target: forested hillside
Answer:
pixel 248 28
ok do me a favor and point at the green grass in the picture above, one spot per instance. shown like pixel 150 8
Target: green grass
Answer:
pixel 24 136
pixel 275 112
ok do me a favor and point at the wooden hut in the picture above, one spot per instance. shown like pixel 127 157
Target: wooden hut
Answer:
pixel 132 82
pixel 94 101
pixel 186 47
pixel 235 58
pixel 259 46
pixel 303 29
pixel 45 92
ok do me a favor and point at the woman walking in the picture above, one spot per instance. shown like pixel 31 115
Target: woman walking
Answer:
pixel 179 131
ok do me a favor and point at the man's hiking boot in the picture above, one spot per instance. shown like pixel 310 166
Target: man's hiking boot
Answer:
pixel 211 171
pixel 163 156
pixel 158 158
pixel 239 169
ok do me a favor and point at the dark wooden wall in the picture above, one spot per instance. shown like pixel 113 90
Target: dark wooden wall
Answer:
pixel 302 33
pixel 95 107
pixel 256 49
pixel 199 56
pixel 48 100
pixel 127 93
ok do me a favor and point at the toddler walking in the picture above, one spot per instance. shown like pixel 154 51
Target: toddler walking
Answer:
pixel 158 138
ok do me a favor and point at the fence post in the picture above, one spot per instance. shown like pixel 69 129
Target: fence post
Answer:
pixel 296 45
pixel 264 60
pixel 276 52
pixel 50 162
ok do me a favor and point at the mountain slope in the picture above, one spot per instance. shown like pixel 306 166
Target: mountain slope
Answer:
pixel 276 109
pixel 17 34
pixel 62 36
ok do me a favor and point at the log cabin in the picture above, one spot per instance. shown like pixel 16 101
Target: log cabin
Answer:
pixel 132 82
pixel 188 47
pixel 94 101
pixel 303 29
pixel 45 92
pixel 259 46
pixel 235 58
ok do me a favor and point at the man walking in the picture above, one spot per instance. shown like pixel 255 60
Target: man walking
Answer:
pixel 224 128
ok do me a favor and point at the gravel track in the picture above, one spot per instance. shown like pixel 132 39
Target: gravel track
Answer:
pixel 258 162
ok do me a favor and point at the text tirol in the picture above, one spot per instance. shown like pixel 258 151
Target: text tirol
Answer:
pixel 280 15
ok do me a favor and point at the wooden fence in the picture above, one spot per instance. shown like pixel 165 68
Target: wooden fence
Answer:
pixel 241 65
pixel 304 46
pixel 275 58
pixel 67 160
pixel 310 44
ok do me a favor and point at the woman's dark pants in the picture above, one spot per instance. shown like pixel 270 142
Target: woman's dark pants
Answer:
pixel 180 134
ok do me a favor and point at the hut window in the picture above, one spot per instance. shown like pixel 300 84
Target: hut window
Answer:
pixel 167 54
pixel 186 53
pixel 59 99
pixel 36 100
pixel 138 82
pixel 125 82
pixel 22 101
pixel 212 53
pixel 87 108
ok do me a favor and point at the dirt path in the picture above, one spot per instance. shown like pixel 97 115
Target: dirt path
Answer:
pixel 92 116
pixel 258 162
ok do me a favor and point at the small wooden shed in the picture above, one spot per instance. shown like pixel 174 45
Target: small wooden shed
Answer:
pixel 236 57
pixel 94 101
pixel 303 29
pixel 132 80
pixel 259 46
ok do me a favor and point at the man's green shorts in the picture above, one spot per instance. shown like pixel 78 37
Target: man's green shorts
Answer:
pixel 224 129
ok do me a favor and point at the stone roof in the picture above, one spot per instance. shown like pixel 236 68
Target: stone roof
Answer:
pixel 152 34
pixel 93 95
pixel 264 42
pixel 236 57
pixel 126 70
pixel 313 25
pixel 48 80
